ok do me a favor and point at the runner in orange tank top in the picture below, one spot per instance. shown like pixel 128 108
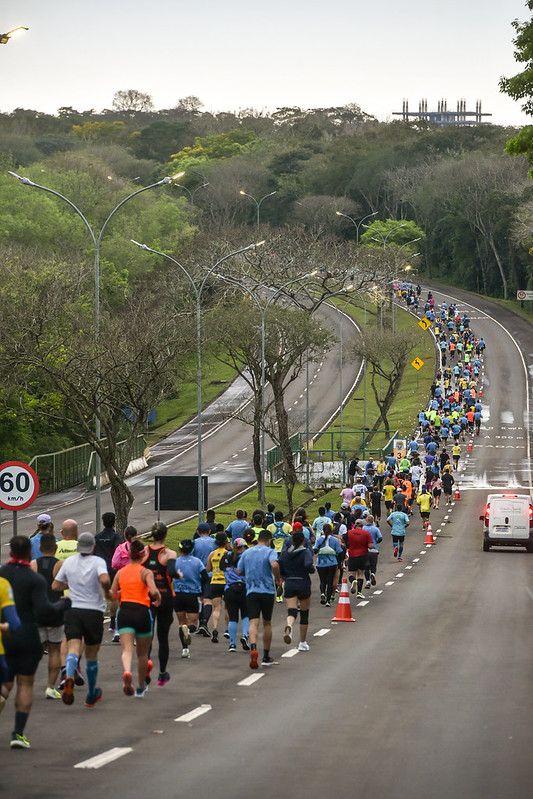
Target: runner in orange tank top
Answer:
pixel 134 586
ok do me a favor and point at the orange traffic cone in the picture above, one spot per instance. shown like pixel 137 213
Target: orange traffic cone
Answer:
pixel 429 536
pixel 457 495
pixel 344 609
pixel 470 446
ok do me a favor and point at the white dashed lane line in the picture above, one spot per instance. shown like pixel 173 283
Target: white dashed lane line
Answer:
pixel 320 633
pixel 193 714
pixel 106 757
pixel 391 582
pixel 250 680
pixel 290 653
pixel 363 603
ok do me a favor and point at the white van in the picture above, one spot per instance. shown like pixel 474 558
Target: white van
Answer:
pixel 508 521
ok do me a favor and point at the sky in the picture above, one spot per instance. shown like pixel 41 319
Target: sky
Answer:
pixel 238 54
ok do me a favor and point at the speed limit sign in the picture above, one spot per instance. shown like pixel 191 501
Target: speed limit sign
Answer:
pixel 19 485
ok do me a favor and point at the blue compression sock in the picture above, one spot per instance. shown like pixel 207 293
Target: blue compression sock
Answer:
pixel 70 664
pixel 232 630
pixel 245 626
pixel 92 674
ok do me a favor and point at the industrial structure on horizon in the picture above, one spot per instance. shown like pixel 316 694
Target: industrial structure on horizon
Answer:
pixel 442 116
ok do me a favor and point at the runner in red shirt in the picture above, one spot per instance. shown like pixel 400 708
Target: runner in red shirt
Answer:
pixel 358 541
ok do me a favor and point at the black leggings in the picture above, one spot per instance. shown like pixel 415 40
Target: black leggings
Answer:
pixel 235 599
pixel 164 616
pixel 327 575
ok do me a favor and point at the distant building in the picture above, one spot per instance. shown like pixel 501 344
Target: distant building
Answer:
pixel 442 116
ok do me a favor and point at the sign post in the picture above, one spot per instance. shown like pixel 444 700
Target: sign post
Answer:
pixel 19 486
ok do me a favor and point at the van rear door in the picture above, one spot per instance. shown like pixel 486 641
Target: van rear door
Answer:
pixel 509 518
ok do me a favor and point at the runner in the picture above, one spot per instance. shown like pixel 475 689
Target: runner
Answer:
pixel 295 566
pixel 87 579
pixel 447 483
pixel 157 556
pixel 215 589
pixel 203 546
pixel 260 568
pixel 23 649
pixel 51 637
pixel 235 596
pixel 424 503
pixel 398 522
pixel 372 567
pixel 9 622
pixel 456 454
pixel 359 542
pixel 134 588
pixel 189 576
pixel 327 548
pixel 107 540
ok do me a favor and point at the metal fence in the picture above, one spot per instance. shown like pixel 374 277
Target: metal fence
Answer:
pixel 69 467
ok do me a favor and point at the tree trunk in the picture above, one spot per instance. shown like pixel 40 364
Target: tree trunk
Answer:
pixel 500 265
pixel 289 471
pixel 122 499
pixel 256 443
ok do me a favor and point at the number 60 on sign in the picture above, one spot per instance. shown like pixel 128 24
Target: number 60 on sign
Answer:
pixel 19 485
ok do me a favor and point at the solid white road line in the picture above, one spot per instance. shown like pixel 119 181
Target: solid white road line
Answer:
pixel 106 757
pixel 251 679
pixel 320 633
pixel 198 711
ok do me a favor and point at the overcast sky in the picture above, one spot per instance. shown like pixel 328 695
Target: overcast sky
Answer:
pixel 236 54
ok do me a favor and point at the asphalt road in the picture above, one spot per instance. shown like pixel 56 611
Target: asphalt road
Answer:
pixel 428 694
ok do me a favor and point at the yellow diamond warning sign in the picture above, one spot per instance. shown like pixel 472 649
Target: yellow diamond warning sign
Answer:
pixel 418 363
pixel 424 323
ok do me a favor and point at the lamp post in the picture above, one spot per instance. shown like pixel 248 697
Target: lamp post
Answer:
pixel 193 192
pixel 357 225
pixel 198 291
pixel 257 202
pixel 96 240
pixel 5 37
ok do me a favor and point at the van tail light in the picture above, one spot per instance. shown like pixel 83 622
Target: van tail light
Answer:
pixel 531 517
pixel 487 511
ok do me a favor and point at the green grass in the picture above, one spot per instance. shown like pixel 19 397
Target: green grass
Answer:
pixel 172 413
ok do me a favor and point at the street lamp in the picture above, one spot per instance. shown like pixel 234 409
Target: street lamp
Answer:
pixel 5 37
pixel 198 290
pixel 356 224
pixel 96 244
pixel 193 192
pixel 257 202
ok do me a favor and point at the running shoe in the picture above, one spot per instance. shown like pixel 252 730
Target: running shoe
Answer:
pixel 68 691
pixel 395 553
pixel 353 587
pixel 368 584
pixel 400 559
pixel 287 635
pixel 202 630
pixel 328 604
pixel 51 693
pixel 226 634
pixel 92 699
pixel 322 599
pixel 148 679
pixel 128 684
pixel 360 595
pixel 19 741
pixel 186 635
pixel 163 678
pixel 185 653
pixel 303 646
pixel 232 648
pixel 254 657
pixel 116 638
pixel 245 643
pixel 267 662
pixel 78 677
pixel 214 637
pixel 140 693
pixel 373 579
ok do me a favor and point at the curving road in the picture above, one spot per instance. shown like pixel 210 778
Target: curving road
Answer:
pixel 427 695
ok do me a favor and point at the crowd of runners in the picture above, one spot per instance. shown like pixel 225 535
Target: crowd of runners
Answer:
pixel 58 588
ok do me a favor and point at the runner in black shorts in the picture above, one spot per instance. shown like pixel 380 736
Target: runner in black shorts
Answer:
pixel 23 646
pixel 235 596
pixel 190 577
pixel 296 565
pixel 157 557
